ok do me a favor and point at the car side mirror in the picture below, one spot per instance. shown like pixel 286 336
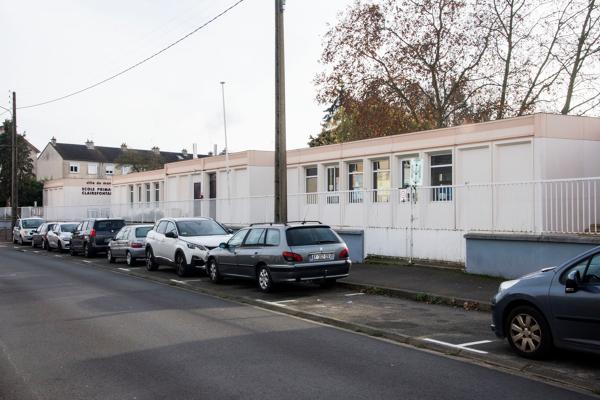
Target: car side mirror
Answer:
pixel 171 235
pixel 573 282
pixel 223 245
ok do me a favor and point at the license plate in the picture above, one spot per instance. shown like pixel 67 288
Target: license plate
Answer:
pixel 321 257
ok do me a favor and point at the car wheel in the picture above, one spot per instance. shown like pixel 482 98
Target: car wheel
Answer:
pixel 110 257
pixel 129 259
pixel 264 280
pixel 212 269
pixel 528 332
pixel 60 248
pixel 151 264
pixel 181 266
pixel 327 283
pixel 44 245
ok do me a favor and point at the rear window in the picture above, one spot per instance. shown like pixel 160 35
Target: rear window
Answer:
pixel 68 228
pixel 110 225
pixel 142 232
pixel 307 236
pixel 31 223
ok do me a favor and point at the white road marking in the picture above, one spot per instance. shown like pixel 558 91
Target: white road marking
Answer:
pixel 176 281
pixel 475 343
pixel 353 294
pixel 277 303
pixel 86 261
pixel 36 251
pixel 124 269
pixel 455 346
pixel 190 280
pixel 58 255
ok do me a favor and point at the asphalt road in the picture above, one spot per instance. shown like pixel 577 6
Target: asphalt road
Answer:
pixel 72 331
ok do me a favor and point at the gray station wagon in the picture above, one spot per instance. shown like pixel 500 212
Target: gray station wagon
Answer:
pixel 273 253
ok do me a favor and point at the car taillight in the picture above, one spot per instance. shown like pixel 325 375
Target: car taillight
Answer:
pixel 93 233
pixel 289 256
pixel 344 253
pixel 136 245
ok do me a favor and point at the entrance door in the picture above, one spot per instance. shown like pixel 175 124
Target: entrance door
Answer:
pixel 212 195
pixel 197 199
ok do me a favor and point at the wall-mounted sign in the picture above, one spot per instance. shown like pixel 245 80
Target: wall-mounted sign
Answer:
pixel 416 172
pixel 97 188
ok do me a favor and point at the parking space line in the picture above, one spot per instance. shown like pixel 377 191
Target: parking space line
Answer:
pixel 176 281
pixel 124 269
pixel 280 303
pixel 475 343
pixel 455 346
pixel 353 294
pixel 86 261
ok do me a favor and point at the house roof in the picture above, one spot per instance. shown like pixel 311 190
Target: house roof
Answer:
pixel 80 152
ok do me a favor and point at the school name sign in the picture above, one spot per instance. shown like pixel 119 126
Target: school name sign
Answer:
pixel 97 188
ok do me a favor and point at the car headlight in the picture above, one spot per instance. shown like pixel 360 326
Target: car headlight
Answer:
pixel 195 246
pixel 507 285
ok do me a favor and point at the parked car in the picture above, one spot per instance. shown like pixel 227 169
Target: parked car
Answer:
pixel 93 235
pixel 22 231
pixel 129 243
pixel 554 307
pixel 183 242
pixel 39 235
pixel 59 237
pixel 273 253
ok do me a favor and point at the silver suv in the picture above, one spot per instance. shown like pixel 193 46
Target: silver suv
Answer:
pixel 183 243
pixel 272 253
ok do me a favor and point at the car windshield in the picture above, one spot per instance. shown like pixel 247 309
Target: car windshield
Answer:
pixel 142 232
pixel 111 225
pixel 68 227
pixel 306 236
pixel 31 223
pixel 204 227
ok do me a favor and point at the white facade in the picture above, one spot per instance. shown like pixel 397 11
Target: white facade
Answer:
pixel 515 175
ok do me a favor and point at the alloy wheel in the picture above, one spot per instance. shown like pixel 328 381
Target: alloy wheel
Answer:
pixel 526 333
pixel 264 280
pixel 129 259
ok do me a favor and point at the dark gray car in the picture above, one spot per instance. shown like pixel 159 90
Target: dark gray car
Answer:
pixel 272 253
pixel 557 306
pixel 129 243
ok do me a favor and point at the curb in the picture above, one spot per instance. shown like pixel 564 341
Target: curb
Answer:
pixel 430 298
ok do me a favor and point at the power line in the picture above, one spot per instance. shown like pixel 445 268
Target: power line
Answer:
pixel 138 63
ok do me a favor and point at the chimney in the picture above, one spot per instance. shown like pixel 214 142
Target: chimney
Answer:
pixel 156 150
pixel 53 141
pixel 89 144
pixel 215 150
pixel 184 153
pixel 195 150
pixel 123 146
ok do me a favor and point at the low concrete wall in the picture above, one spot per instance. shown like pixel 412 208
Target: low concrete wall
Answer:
pixel 514 255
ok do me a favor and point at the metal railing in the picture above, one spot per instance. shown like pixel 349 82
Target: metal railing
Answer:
pixel 550 206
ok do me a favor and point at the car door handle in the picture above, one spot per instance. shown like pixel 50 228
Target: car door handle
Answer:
pixel 256 252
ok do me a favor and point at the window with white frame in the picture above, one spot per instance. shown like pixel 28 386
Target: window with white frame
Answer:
pixel 156 192
pixel 381 181
pixel 441 175
pixel 333 183
pixel 109 169
pixel 131 194
pixel 92 169
pixel 74 168
pixel 148 193
pixel 139 193
pixel 405 172
pixel 311 186
pixel 355 181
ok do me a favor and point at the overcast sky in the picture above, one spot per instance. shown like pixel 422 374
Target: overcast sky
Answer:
pixel 51 48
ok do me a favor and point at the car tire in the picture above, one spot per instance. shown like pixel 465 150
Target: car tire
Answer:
pixel 48 247
pixel 528 332
pixel 129 259
pixel 328 283
pixel 264 280
pixel 181 266
pixel 33 243
pixel 87 252
pixel 44 245
pixel 109 256
pixel 212 270
pixel 60 248
pixel 151 264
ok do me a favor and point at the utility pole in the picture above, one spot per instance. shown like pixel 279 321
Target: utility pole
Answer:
pixel 280 147
pixel 226 146
pixel 14 196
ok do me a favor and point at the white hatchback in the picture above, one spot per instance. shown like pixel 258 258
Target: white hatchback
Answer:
pixel 183 243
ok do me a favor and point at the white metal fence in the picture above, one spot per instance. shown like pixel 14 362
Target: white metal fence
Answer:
pixel 551 206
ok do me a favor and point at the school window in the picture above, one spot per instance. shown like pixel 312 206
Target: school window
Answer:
pixel 333 183
pixel 311 185
pixel 92 169
pixel 441 175
pixel 74 168
pixel 355 181
pixel 131 194
pixel 381 181
pixel 148 193
pixel 156 192
pixel 109 169
pixel 405 173
pixel 139 190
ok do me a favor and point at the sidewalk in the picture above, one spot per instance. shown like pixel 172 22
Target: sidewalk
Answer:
pixel 429 284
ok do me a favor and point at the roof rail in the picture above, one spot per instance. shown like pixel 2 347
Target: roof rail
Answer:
pixel 304 222
pixel 262 223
